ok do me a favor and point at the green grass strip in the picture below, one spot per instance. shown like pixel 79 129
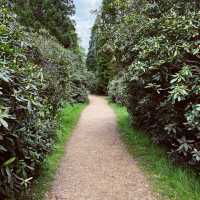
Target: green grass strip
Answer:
pixel 170 181
pixel 68 119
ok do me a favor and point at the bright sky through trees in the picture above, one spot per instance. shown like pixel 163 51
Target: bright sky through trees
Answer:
pixel 84 19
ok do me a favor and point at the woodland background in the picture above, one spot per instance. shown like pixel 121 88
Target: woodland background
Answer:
pixel 144 54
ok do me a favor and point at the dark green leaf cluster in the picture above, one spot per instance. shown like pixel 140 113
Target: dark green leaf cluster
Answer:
pixel 53 15
pixel 37 75
pixel 155 45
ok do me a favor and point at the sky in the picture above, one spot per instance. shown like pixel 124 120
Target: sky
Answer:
pixel 85 19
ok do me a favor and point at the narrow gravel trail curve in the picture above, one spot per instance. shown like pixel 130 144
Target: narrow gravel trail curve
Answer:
pixel 96 165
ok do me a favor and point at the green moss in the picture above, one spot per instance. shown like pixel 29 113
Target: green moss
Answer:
pixel 172 182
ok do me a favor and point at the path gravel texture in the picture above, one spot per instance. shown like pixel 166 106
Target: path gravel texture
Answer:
pixel 96 165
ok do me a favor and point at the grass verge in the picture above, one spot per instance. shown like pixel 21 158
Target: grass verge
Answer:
pixel 68 118
pixel 170 181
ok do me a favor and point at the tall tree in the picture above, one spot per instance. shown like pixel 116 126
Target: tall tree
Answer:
pixel 53 15
pixel 101 56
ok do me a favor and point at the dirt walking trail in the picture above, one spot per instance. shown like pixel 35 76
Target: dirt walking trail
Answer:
pixel 96 165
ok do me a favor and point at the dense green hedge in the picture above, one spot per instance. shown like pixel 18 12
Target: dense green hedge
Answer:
pixel 155 47
pixel 163 93
pixel 37 75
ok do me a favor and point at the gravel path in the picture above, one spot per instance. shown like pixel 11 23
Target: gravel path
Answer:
pixel 96 165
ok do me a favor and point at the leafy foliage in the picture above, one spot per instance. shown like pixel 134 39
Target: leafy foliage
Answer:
pixel 37 74
pixel 99 57
pixel 117 90
pixel 53 15
pixel 156 45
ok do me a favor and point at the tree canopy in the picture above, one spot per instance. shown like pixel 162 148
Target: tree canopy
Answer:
pixel 53 15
